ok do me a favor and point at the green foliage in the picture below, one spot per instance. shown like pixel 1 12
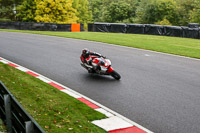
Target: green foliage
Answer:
pixel 7 8
pixel 6 12
pixel 195 16
pixel 2 127
pixel 157 10
pixel 49 11
pixel 117 11
pixel 113 10
pixel 83 12
pixel 163 22
pixel 96 7
pixel 177 12
pixel 10 2
pixel 26 11
pixel 59 11
pixel 184 9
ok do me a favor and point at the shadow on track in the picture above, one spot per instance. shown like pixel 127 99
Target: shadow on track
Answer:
pixel 99 78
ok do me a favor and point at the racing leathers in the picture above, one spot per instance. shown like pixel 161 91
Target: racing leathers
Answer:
pixel 87 61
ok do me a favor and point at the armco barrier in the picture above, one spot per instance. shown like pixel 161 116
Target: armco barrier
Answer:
pixel 42 26
pixel 193 31
pixel 17 120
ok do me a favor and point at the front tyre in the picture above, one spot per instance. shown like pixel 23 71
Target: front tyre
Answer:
pixel 115 75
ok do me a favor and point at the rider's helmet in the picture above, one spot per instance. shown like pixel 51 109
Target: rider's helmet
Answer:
pixel 85 52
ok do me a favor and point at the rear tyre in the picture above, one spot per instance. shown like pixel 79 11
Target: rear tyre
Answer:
pixel 115 75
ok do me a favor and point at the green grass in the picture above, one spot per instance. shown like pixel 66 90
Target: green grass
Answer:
pixel 2 127
pixel 54 110
pixel 173 45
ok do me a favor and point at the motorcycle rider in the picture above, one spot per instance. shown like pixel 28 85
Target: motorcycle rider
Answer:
pixel 86 57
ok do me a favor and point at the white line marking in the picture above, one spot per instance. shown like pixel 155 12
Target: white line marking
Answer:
pixel 71 94
pixel 3 61
pixel 112 123
pixel 43 79
pixel 103 111
pixel 22 69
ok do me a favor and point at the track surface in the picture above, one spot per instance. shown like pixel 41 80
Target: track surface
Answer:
pixel 158 91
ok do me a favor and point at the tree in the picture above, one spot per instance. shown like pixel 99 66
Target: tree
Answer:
pixel 107 10
pixel 163 22
pixel 7 8
pixel 96 7
pixel 195 12
pixel 26 11
pixel 6 12
pixel 117 11
pixel 55 11
pixel 188 11
pixel 195 16
pixel 157 10
pixel 83 13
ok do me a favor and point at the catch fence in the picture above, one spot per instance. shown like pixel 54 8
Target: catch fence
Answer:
pixel 15 117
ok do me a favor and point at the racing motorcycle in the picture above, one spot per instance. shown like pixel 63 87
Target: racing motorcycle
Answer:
pixel 102 66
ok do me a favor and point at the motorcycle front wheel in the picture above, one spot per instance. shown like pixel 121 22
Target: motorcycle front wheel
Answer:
pixel 115 75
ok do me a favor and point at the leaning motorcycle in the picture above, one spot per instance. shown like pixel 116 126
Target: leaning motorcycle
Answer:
pixel 102 66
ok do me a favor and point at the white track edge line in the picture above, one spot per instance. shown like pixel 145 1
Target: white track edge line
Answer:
pixel 94 102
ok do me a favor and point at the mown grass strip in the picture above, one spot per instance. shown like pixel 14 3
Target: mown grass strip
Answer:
pixel 54 110
pixel 174 45
pixel 2 127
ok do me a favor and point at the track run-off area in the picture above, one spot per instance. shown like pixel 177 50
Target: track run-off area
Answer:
pixel 158 91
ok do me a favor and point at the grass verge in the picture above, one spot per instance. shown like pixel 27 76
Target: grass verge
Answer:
pixel 54 110
pixel 174 45
pixel 2 127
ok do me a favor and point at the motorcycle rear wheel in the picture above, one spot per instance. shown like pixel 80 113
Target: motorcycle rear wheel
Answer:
pixel 115 75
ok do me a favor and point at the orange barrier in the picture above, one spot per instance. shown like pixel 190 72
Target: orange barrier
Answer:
pixel 75 27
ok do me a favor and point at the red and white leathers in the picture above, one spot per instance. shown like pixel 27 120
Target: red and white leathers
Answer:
pixel 97 64
pixel 87 59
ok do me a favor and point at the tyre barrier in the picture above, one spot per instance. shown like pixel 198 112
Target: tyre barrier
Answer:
pixel 192 31
pixel 15 117
pixel 42 26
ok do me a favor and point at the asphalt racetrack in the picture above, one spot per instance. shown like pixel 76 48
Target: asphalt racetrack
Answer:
pixel 158 91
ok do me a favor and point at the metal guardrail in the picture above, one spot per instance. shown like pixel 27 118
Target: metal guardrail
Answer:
pixel 16 118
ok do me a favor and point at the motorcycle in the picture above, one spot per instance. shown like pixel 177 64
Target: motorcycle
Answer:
pixel 102 66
